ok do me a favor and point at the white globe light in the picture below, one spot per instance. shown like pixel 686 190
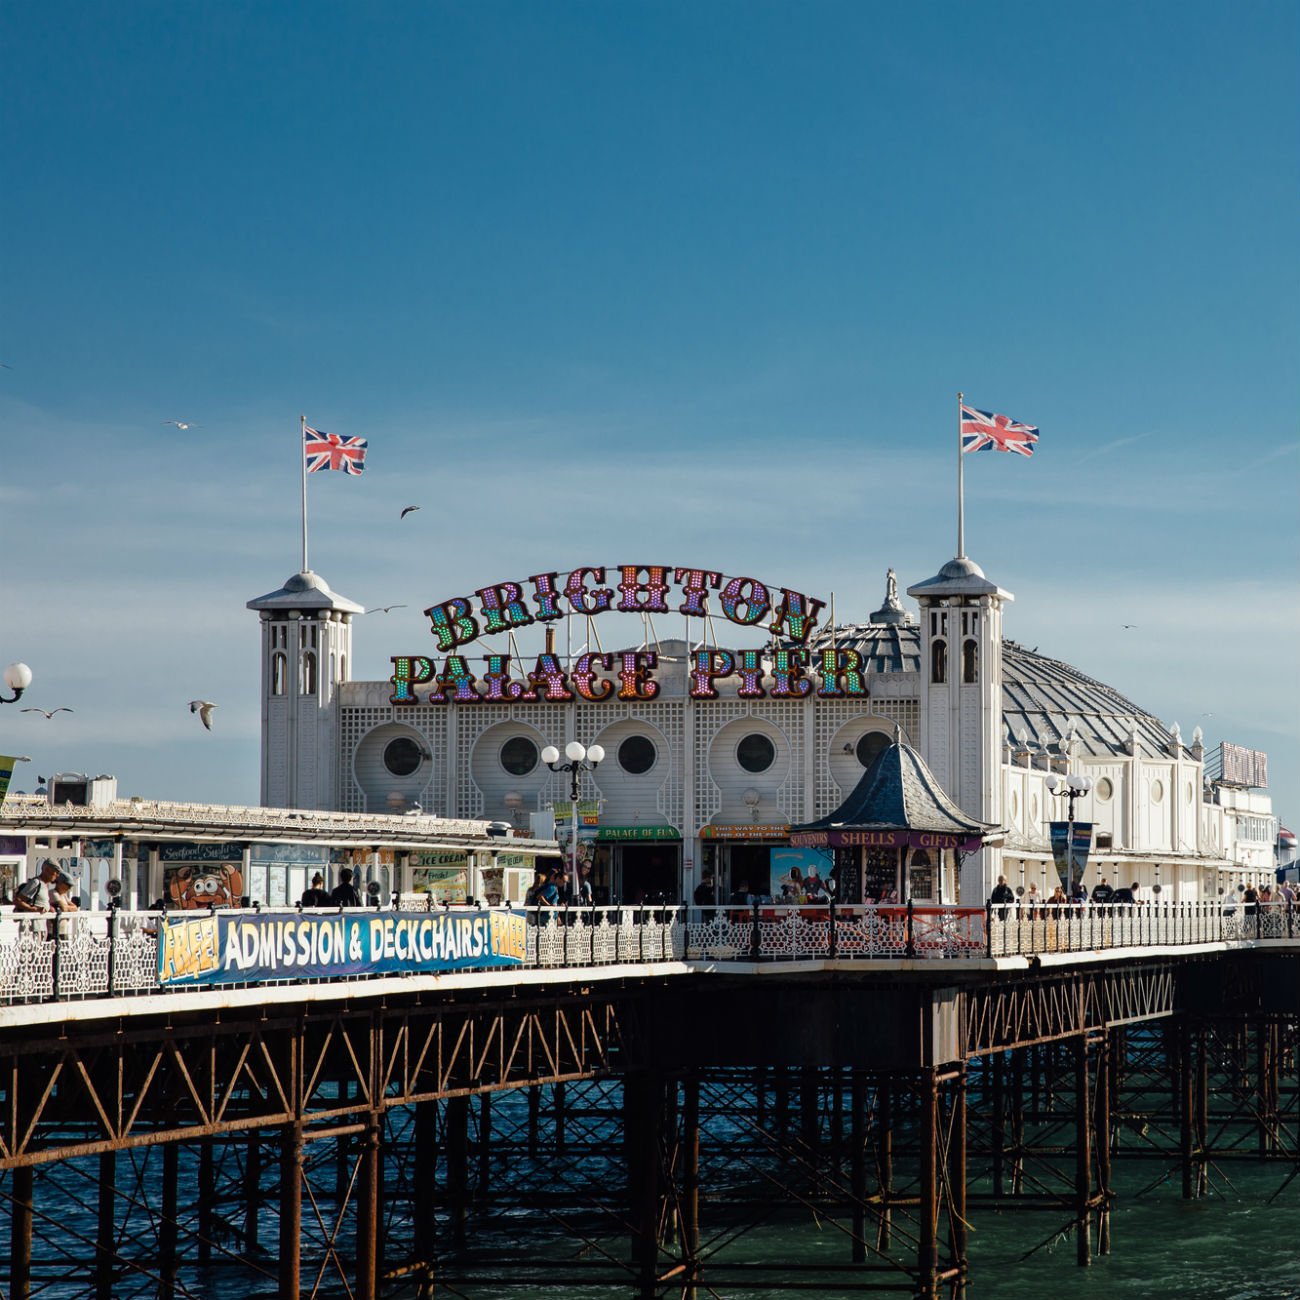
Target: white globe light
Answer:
pixel 550 754
pixel 575 751
pixel 1085 784
pixel 18 677
pixel 596 754
pixel 1052 782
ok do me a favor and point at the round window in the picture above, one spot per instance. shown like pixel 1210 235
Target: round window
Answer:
pixel 1157 791
pixel 519 756
pixel 637 754
pixel 870 746
pixel 402 756
pixel 756 753
pixel 1188 793
pixel 1104 789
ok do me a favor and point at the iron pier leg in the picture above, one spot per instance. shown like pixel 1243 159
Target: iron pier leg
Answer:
pixel 927 1246
pixel 1186 1108
pixel 1102 1128
pixel 252 1190
pixel 290 1211
pixel 167 1229
pixel 957 1186
pixel 885 1234
pixel 1018 1122
pixel 206 1195
pixel 560 1135
pixel 104 1252
pixel 369 1223
pixel 457 1123
pixel 858 1164
pixel 643 1102
pixel 424 1175
pixel 691 1184
pixel 534 1117
pixel 20 1235
pixel 999 1123
pixel 1202 1114
pixel 1083 1152
pixel 484 1144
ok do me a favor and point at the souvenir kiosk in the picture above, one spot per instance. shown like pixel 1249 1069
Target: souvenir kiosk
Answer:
pixel 898 837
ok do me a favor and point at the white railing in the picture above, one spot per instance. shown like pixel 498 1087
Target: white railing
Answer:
pixel 98 954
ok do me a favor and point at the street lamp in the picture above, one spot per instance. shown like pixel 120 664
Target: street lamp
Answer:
pixel 1069 787
pixel 18 677
pixel 581 759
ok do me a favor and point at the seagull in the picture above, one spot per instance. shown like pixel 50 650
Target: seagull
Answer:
pixel 181 424
pixel 49 713
pixel 383 609
pixel 1128 625
pixel 406 510
pixel 204 709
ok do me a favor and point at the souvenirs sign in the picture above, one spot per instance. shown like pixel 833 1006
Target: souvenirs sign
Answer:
pixel 795 671
pixel 883 840
pixel 236 947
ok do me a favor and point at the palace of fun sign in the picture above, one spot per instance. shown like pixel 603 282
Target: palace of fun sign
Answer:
pixel 629 675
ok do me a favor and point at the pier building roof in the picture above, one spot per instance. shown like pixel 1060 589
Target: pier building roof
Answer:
pixel 898 792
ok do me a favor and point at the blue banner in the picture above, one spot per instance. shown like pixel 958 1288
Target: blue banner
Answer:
pixel 1070 855
pixel 236 947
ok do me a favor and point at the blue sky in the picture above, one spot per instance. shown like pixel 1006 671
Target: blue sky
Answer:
pixel 682 283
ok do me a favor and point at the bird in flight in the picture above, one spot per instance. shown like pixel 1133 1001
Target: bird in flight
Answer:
pixel 384 609
pixel 49 713
pixel 406 510
pixel 1128 625
pixel 181 424
pixel 204 709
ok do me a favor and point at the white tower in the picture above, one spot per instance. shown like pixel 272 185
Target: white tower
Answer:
pixel 306 655
pixel 961 700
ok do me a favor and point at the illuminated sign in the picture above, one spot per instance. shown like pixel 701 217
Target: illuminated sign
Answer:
pixel 884 840
pixel 789 672
pixel 745 831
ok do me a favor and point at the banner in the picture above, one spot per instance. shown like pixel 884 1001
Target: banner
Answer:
pixel 1071 856
pixel 6 772
pixel 588 820
pixel 241 947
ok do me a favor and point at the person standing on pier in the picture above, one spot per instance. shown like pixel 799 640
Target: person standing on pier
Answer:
pixel 36 895
pixel 345 892
pixel 1002 897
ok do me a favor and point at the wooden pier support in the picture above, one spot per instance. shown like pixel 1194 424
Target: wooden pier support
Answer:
pixel 957 1186
pixel 643 1116
pixel 20 1235
pixel 168 1235
pixel 369 1219
pixel 927 1246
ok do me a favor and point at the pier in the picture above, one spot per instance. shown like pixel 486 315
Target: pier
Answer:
pixel 642 1088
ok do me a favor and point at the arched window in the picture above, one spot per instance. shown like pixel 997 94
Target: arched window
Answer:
pixel 278 667
pixel 969 662
pixel 308 684
pixel 939 661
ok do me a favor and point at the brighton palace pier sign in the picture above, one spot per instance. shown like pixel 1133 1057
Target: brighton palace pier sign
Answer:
pixel 794 671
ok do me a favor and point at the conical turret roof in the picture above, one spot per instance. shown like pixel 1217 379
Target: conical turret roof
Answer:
pixel 898 792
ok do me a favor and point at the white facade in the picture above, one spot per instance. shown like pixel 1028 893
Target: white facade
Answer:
pixel 690 783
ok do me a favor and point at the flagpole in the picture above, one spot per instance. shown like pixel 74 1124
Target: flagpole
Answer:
pixel 302 461
pixel 961 489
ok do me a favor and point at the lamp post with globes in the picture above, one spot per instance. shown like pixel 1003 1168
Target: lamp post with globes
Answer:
pixel 581 759
pixel 1070 787
pixel 18 677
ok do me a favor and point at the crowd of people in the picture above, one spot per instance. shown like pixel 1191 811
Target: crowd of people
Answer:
pixel 1004 898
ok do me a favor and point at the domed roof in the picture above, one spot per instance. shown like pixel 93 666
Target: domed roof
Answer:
pixel 1042 698
pixel 306 590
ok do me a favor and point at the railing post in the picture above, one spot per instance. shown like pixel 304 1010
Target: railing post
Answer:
pixel 112 947
pixel 834 937
pixel 755 935
pixel 911 935
pixel 988 927
pixel 56 962
pixel 564 950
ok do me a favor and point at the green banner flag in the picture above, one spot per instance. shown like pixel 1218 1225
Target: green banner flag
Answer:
pixel 6 773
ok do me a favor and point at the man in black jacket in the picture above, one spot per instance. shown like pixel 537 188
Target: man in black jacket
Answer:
pixel 1102 892
pixel 345 892
pixel 1002 897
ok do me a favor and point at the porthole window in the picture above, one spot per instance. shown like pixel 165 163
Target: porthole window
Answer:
pixel 1103 790
pixel 519 756
pixel 870 746
pixel 1157 791
pixel 756 752
pixel 637 754
pixel 402 756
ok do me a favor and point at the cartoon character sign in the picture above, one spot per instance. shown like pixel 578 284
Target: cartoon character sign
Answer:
pixel 217 884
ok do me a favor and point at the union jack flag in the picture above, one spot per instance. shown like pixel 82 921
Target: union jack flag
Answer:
pixel 984 431
pixel 330 451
